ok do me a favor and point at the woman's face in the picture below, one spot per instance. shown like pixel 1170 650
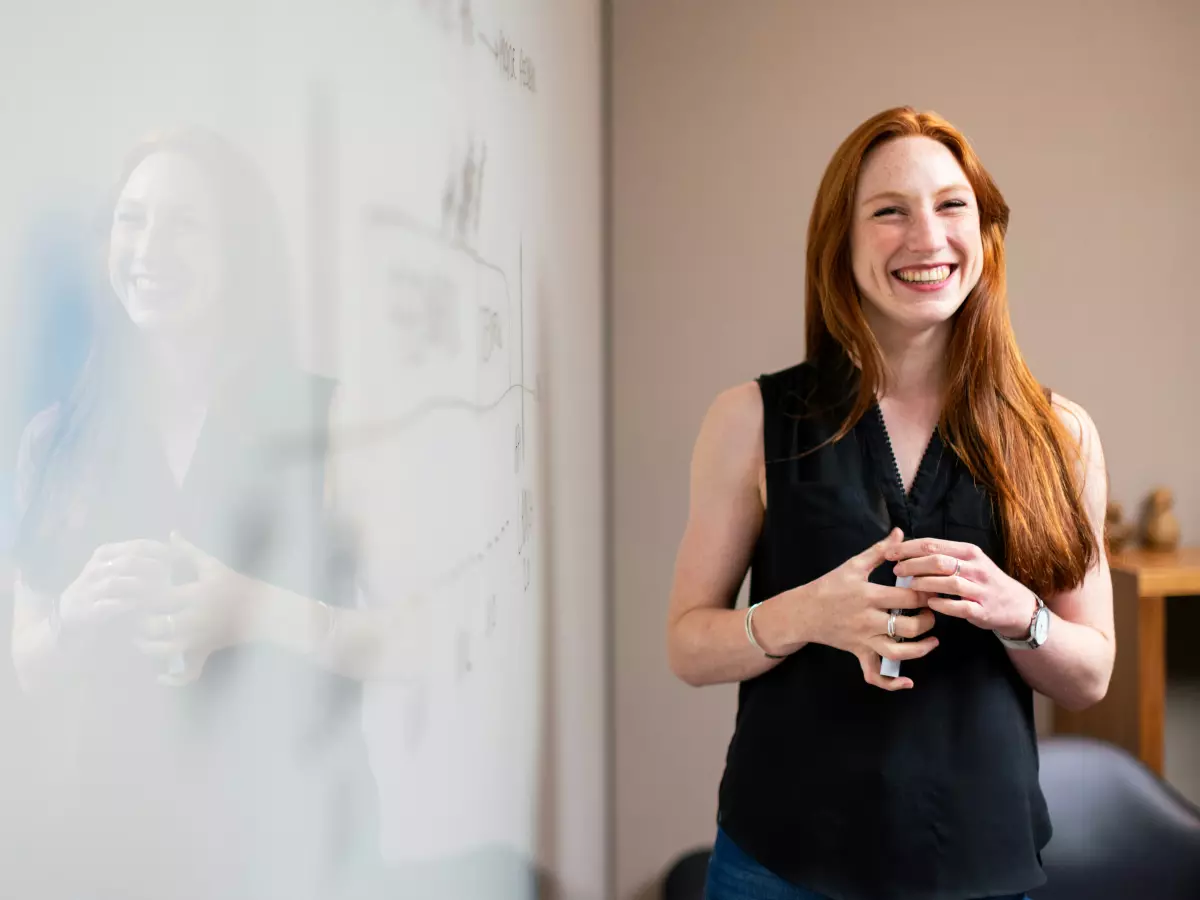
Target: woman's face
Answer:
pixel 915 244
pixel 164 259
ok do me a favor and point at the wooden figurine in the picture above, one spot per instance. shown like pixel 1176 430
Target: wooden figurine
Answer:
pixel 1160 525
pixel 1117 532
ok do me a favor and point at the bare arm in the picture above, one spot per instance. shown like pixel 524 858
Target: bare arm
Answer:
pixel 33 643
pixel 706 638
pixel 1074 666
pixel 363 644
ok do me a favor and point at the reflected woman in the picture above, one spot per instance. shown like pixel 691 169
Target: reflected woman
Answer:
pixel 181 615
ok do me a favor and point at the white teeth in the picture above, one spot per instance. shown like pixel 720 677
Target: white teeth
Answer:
pixel 143 283
pixel 938 273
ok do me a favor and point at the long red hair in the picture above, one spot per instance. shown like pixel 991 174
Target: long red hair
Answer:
pixel 995 416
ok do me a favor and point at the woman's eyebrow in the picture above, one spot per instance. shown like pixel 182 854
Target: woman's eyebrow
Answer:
pixel 900 195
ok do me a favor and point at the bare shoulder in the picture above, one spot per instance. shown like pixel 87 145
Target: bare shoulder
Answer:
pixel 1087 439
pixel 31 453
pixel 35 438
pixel 737 409
pixel 40 426
pixel 1078 423
pixel 731 436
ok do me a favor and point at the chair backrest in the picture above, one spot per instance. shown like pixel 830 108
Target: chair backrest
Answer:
pixel 1119 830
pixel 685 879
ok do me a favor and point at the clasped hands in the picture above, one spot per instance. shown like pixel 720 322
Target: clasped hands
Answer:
pixel 176 602
pixel 847 611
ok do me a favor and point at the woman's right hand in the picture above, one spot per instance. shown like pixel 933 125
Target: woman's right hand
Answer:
pixel 118 580
pixel 847 611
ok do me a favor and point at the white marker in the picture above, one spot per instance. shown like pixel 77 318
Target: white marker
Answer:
pixel 890 668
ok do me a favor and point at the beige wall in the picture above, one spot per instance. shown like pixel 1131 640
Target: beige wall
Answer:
pixel 724 116
pixel 574 846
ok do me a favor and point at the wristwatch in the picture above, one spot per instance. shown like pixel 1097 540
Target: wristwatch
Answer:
pixel 1039 627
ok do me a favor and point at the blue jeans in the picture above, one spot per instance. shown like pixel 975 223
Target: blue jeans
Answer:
pixel 732 875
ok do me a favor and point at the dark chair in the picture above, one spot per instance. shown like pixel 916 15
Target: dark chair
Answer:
pixel 686 877
pixel 1120 832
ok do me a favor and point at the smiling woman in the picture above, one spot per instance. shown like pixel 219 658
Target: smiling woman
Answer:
pixel 181 613
pixel 164 253
pixel 923 240
pixel 846 778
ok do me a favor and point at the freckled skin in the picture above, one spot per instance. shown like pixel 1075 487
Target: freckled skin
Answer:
pixel 929 216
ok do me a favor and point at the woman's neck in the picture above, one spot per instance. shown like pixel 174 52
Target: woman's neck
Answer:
pixel 183 375
pixel 916 362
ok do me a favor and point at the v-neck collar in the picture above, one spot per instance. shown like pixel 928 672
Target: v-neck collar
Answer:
pixel 199 427
pixel 156 459
pixel 905 507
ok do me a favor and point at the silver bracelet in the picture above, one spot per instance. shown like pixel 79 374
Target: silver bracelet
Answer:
pixel 331 619
pixel 54 622
pixel 750 632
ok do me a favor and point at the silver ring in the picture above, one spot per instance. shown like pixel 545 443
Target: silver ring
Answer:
pixel 957 568
pixel 892 626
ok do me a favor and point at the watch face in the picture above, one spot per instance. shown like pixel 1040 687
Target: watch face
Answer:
pixel 1041 625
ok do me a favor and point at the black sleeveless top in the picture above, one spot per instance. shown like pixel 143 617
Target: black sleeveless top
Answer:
pixel 254 779
pixel 834 784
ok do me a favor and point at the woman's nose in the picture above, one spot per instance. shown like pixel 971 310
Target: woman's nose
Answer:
pixel 149 243
pixel 927 234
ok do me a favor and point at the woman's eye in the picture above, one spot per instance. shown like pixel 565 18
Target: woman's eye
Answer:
pixel 955 204
pixel 886 211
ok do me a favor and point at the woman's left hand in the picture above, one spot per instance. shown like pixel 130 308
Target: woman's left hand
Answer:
pixel 198 617
pixel 987 597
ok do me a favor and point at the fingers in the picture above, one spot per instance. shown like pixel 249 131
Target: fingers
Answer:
pixel 175 599
pixel 183 670
pixel 883 597
pixel 961 609
pixel 870 661
pixel 127 588
pixel 902 650
pixel 165 635
pixel 146 568
pixel 141 548
pixel 159 628
pixel 172 625
pixel 933 547
pixel 120 587
pixel 107 610
pixel 183 548
pixel 945 584
pixel 109 573
pixel 937 564
pixel 874 556
pixel 907 627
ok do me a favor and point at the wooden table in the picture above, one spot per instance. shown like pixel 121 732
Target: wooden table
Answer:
pixel 1132 713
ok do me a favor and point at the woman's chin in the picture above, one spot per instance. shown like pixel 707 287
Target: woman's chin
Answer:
pixel 921 314
pixel 159 320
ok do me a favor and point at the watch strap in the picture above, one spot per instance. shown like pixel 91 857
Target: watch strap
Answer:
pixel 1028 642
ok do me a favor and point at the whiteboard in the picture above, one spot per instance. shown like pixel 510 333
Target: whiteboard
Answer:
pixel 440 228
pixel 412 147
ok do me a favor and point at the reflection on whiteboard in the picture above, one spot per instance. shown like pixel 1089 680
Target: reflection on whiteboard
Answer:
pixel 406 145
pixel 438 420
